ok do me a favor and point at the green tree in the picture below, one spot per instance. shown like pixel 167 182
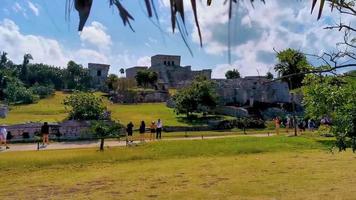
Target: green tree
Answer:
pixel 24 68
pixel 16 93
pixel 145 78
pixel 269 76
pixel 112 81
pixel 76 77
pixel 105 129
pixel 232 74
pixel 333 98
pixel 290 62
pixel 84 106
pixel 199 97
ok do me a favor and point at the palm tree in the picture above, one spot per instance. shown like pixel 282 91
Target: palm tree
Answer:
pixel 24 72
pixel 122 71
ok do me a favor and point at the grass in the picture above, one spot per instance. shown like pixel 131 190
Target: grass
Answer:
pixel 234 168
pixel 52 110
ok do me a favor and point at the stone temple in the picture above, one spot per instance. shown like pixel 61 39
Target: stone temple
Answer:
pixel 170 72
pixel 99 74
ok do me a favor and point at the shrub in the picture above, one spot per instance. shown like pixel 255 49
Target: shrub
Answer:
pixel 42 91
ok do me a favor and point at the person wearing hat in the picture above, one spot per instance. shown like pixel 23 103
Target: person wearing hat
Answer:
pixel 3 136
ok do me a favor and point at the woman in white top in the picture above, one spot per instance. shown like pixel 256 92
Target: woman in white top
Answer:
pixel 3 136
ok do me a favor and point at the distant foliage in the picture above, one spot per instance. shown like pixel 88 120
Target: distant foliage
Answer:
pixel 292 61
pixel 146 78
pixel 42 91
pixel 232 74
pixel 16 93
pixel 199 97
pixel 77 77
pixel 269 76
pixel 84 106
pixel 112 82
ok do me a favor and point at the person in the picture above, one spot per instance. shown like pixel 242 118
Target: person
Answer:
pixel 142 131
pixel 3 136
pixel 45 134
pixel 288 124
pixel 153 130
pixel 277 123
pixel 310 125
pixel 129 130
pixel 159 129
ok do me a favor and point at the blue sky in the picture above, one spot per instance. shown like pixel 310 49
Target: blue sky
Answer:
pixel 39 27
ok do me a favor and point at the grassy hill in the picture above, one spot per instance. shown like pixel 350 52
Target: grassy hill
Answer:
pixel 52 110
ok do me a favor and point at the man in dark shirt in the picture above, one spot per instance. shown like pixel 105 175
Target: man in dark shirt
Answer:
pixel 129 130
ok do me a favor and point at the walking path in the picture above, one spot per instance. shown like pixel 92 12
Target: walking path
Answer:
pixel 108 143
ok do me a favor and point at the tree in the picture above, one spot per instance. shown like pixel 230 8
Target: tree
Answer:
pixel 84 106
pixel 269 76
pixel 24 68
pixel 199 97
pixel 122 71
pixel 334 98
pixel 232 74
pixel 292 61
pixel 76 77
pixel 112 81
pixel 16 93
pixel 145 78
pixel 105 129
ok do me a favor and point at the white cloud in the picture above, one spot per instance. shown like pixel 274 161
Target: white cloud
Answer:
pixel 256 31
pixel 144 61
pixel 50 51
pixel 34 8
pixel 96 35
pixel 17 8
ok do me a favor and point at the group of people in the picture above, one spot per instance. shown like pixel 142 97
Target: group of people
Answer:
pixel 155 128
pixel 290 123
pixel 4 136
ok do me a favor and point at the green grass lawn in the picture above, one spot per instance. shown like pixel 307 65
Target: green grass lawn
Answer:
pixel 231 168
pixel 52 110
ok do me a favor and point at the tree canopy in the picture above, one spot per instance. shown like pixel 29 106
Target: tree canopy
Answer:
pixel 232 74
pixel 199 97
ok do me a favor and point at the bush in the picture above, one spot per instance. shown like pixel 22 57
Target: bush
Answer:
pixel 84 106
pixel 16 93
pixel 42 91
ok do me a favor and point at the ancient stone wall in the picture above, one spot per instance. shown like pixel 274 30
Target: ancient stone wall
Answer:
pixel 131 72
pixel 99 74
pixel 248 90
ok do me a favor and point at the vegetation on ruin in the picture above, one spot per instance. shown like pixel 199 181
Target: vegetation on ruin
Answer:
pixel 232 74
pixel 199 97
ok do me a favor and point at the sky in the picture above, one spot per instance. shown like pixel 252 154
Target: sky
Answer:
pixel 40 27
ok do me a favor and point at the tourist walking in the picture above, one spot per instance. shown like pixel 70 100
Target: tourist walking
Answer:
pixel 142 131
pixel 45 134
pixel 3 137
pixel 129 130
pixel 288 123
pixel 152 130
pixel 277 123
pixel 159 129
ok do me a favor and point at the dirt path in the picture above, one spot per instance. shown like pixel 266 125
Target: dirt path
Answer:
pixel 108 143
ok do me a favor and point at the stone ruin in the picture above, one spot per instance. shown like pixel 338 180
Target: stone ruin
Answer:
pixel 170 73
pixel 99 74
pixel 252 89
pixel 70 129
